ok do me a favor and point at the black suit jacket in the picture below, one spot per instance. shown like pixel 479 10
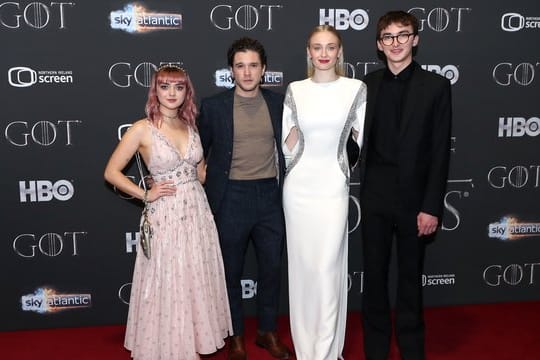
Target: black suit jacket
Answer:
pixel 215 123
pixel 424 139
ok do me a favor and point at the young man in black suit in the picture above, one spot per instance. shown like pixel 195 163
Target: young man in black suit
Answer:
pixel 240 131
pixel 403 179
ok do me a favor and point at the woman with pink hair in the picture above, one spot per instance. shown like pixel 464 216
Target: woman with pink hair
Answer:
pixel 178 306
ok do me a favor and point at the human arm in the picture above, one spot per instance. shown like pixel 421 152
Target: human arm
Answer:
pixel 201 171
pixel 439 154
pixel 356 137
pixel 137 138
pixel 426 223
pixel 290 132
pixel 359 115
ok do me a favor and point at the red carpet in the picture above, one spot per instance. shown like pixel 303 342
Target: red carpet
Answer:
pixel 480 332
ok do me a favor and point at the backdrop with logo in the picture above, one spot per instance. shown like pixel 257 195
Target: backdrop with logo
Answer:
pixel 75 74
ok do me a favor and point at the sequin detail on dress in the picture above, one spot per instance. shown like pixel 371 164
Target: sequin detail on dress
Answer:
pixel 178 305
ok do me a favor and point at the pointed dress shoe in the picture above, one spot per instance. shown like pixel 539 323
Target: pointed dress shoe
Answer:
pixel 270 341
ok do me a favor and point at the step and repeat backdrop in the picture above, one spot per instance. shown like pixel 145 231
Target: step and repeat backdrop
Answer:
pixel 75 75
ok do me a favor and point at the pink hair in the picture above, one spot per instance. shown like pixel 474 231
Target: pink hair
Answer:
pixel 187 112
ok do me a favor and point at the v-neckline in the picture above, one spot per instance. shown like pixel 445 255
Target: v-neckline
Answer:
pixel 171 144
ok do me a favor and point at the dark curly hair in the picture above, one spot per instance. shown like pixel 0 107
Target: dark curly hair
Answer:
pixel 245 44
pixel 396 17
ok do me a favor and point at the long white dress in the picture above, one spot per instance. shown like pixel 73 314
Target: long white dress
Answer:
pixel 316 202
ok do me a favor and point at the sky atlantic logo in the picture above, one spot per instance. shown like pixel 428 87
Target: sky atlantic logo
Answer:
pixel 440 19
pixel 518 127
pixel 245 17
pixel 223 78
pixel 134 18
pixel 344 19
pixel 22 76
pixel 450 72
pixel 510 228
pixel 45 190
pixel 34 15
pixel 513 22
pixel 45 300
pixel 506 73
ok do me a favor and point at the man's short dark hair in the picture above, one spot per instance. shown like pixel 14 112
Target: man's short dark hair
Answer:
pixel 245 44
pixel 396 17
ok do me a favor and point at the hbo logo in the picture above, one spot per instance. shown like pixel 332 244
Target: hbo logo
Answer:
pixel 249 289
pixel 44 190
pixel 450 72
pixel 519 126
pixel 342 19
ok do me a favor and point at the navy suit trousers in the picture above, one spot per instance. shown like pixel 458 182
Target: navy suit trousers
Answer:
pixel 251 210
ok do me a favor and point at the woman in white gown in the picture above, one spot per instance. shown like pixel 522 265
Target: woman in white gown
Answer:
pixel 319 114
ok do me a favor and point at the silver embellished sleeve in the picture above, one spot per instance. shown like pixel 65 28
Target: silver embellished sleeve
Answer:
pixel 289 103
pixel 358 103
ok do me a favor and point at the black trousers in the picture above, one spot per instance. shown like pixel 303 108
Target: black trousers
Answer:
pixel 251 210
pixel 379 228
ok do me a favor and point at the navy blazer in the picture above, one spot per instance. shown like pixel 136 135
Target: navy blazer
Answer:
pixel 215 123
pixel 424 139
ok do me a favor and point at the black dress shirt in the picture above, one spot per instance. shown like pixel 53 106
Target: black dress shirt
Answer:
pixel 382 153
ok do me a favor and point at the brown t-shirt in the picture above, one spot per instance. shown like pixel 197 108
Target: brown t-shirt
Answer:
pixel 253 154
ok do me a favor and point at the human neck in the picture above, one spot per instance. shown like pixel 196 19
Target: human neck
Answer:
pixel 246 93
pixel 324 76
pixel 168 113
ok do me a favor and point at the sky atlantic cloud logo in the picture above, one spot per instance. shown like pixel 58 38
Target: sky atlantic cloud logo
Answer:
pixel 510 228
pixel 45 300
pixel 223 78
pixel 134 18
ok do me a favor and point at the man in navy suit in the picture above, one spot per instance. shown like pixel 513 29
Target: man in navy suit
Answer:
pixel 240 131
pixel 403 179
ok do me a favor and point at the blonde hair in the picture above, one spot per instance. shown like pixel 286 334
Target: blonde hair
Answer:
pixel 340 65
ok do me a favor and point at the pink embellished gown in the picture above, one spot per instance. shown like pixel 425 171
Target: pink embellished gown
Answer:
pixel 178 306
